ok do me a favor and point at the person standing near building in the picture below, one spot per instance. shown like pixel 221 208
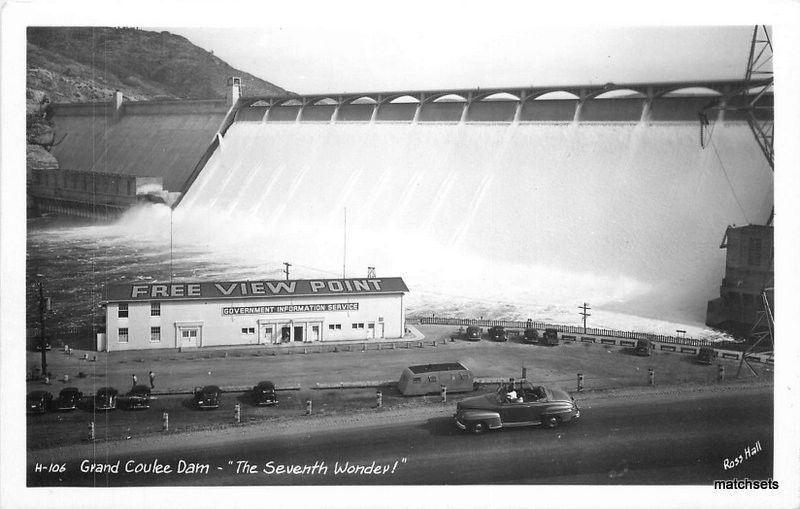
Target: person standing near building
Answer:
pixel 152 380
pixel 133 378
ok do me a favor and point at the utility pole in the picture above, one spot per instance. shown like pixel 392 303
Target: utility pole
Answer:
pixel 371 272
pixel 286 270
pixel 44 306
pixel 584 314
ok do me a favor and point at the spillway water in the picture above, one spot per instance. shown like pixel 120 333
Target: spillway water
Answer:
pixel 494 220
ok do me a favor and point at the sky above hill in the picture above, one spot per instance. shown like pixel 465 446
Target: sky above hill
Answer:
pixel 396 56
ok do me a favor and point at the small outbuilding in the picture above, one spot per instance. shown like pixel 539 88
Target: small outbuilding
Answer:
pixel 429 379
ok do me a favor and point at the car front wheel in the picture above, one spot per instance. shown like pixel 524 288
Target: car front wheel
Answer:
pixel 551 421
pixel 477 428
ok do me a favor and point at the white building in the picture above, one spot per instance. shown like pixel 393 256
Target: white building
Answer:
pixel 194 315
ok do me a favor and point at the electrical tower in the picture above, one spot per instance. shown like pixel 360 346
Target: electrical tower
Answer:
pixel 584 314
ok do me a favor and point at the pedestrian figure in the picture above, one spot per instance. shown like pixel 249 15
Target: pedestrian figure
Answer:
pixel 152 380
pixel 133 377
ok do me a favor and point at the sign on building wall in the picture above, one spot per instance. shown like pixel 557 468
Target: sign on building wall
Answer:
pixel 291 308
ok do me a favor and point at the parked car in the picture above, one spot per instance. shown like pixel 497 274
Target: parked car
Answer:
pixel 138 398
pixel 473 333
pixel 38 346
pixel 207 397
pixel 498 333
pixel 530 335
pixel 705 355
pixel 68 398
pixel 550 337
pixel 105 398
pixel 264 394
pixel 643 347
pixel 38 402
pixel 532 405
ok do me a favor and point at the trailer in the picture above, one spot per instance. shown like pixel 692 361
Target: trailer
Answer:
pixel 430 378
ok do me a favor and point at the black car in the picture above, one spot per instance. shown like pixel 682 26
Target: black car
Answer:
pixel 530 335
pixel 264 394
pixel 207 397
pixel 643 347
pixel 106 398
pixel 705 355
pixel 38 402
pixel 473 333
pixel 550 337
pixel 69 398
pixel 138 398
pixel 498 333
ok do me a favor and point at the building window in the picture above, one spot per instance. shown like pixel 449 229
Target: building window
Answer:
pixel 370 326
pixel 358 325
pixel 123 310
pixel 122 335
pixel 431 378
pixel 155 309
pixel 248 330
pixel 155 334
pixel 416 379
pixel 335 326
pixel 188 333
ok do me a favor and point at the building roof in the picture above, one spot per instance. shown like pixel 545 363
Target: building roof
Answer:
pixel 430 368
pixel 257 289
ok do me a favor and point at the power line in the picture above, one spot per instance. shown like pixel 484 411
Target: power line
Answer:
pixel 733 191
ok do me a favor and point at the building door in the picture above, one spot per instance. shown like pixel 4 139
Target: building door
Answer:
pixel 371 330
pixel 380 330
pixel 298 332
pixel 315 333
pixel 286 334
pixel 265 334
pixel 190 337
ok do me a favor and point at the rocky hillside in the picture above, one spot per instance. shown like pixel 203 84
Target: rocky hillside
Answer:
pixel 71 64
pixel 77 64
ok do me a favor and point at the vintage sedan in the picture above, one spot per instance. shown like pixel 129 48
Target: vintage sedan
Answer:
pixel 530 336
pixel 69 398
pixel 138 398
pixel 207 397
pixel 105 398
pixel 705 355
pixel 38 402
pixel 498 333
pixel 264 394
pixel 528 405
pixel 643 347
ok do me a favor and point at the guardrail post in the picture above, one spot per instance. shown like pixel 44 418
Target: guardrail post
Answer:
pixel 379 399
pixel 308 407
pixel 66 378
pixel 165 421
pixel 91 431
pixel 652 375
pixel 420 344
pixel 237 413
pixel 720 372
pixel 363 347
pixel 444 394
pixel 580 381
pixel 524 373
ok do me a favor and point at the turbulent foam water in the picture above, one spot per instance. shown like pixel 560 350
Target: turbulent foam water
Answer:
pixel 506 221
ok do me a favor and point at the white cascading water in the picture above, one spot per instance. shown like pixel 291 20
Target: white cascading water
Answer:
pixel 494 220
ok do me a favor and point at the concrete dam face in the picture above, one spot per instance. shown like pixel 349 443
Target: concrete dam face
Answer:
pixel 511 219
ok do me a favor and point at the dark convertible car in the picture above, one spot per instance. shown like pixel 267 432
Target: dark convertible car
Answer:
pixel 264 394
pixel 138 398
pixel 105 398
pixel 207 397
pixel 519 405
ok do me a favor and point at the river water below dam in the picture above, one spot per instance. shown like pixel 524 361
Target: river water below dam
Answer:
pixel 494 220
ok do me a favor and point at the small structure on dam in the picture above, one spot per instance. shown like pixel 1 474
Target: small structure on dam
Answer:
pixel 270 313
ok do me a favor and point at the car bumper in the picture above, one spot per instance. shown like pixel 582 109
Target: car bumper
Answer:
pixel 461 426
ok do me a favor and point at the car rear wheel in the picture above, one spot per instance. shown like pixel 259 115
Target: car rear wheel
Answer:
pixel 551 421
pixel 477 428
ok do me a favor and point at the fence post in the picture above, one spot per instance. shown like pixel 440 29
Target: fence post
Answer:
pixel 720 372
pixel 524 373
pixel 444 394
pixel 652 375
pixel 308 407
pixel 91 431
pixel 165 421
pixel 379 399
pixel 237 413
pixel 580 381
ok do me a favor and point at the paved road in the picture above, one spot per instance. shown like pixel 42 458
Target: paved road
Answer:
pixel 638 441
